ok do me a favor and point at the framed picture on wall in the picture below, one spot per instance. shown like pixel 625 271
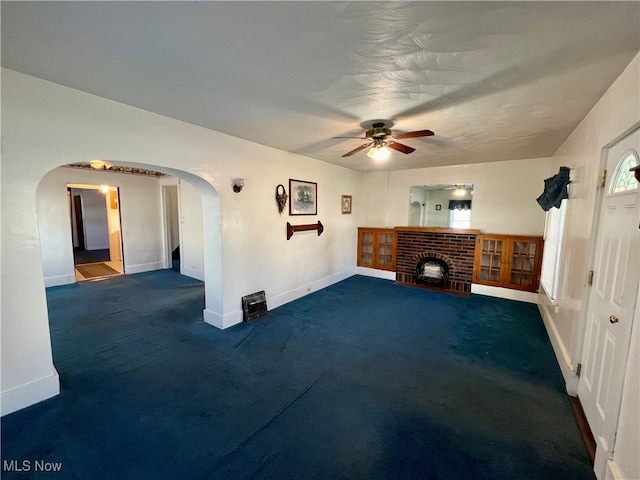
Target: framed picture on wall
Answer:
pixel 346 204
pixel 303 198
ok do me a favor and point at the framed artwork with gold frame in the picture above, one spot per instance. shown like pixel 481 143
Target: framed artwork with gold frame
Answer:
pixel 346 204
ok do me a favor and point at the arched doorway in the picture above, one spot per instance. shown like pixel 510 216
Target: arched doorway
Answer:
pixel 415 214
pixel 55 237
pixel 140 189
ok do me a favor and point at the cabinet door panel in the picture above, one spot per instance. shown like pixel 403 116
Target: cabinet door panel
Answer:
pixel 490 268
pixel 489 260
pixel 366 247
pixel 385 249
pixel 522 262
pixel 508 261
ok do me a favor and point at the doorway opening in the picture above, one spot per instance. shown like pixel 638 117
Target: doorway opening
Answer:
pixel 170 200
pixel 94 212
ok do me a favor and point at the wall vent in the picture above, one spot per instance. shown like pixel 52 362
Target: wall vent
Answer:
pixel 254 306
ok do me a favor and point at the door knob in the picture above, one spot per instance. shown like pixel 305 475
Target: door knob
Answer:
pixel 613 319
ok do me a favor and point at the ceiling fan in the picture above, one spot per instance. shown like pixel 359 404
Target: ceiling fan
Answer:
pixel 382 140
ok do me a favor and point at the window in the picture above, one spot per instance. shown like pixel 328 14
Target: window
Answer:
pixel 554 229
pixel 459 218
pixel 623 179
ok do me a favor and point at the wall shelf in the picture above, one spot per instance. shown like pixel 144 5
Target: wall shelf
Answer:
pixel 291 229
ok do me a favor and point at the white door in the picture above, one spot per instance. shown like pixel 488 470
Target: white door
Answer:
pixel 171 206
pixel 612 298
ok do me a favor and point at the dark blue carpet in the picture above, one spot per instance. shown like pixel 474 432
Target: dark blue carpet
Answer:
pixel 364 379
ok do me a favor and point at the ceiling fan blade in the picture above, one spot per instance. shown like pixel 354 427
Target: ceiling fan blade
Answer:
pixel 417 133
pixel 356 150
pixel 362 138
pixel 401 147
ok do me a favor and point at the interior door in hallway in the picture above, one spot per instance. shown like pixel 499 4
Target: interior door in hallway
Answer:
pixel 77 223
pixel 170 198
pixel 612 298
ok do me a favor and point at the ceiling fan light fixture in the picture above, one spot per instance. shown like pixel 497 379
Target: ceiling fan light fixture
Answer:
pixel 459 191
pixel 383 141
pixel 378 153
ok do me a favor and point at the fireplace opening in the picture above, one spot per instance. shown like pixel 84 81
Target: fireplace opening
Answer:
pixel 432 271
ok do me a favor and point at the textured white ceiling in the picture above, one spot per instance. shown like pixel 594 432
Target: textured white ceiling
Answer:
pixel 494 80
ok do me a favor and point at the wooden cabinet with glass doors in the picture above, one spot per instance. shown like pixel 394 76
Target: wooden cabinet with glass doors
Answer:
pixel 377 248
pixel 509 261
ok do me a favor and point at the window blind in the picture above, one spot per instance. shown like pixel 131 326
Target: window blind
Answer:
pixel 554 230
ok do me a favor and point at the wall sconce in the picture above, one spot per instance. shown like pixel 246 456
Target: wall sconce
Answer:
pixel 238 184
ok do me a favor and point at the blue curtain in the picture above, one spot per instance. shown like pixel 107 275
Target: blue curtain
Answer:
pixel 555 190
pixel 459 204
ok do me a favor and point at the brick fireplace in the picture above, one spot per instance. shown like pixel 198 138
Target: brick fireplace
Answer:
pixel 453 249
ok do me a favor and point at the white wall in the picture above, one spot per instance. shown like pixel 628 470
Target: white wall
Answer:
pixel 94 217
pixel 140 211
pixel 172 215
pixel 46 125
pixel 113 225
pixel 504 194
pixel 616 113
pixel 192 248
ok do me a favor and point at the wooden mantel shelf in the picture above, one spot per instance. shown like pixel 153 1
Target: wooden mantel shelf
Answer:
pixel 461 231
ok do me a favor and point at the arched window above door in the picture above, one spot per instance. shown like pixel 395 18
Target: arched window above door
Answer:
pixel 623 179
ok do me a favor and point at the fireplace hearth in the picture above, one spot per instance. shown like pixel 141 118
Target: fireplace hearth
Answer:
pixel 438 258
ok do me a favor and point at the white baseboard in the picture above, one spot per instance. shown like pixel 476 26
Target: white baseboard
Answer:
pixel 193 273
pixel 59 280
pixel 222 321
pixel 562 356
pixel 143 267
pixel 613 472
pixel 373 272
pixel 601 464
pixel 29 394
pixel 235 317
pixel 286 297
pixel 509 294
pixel 212 318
